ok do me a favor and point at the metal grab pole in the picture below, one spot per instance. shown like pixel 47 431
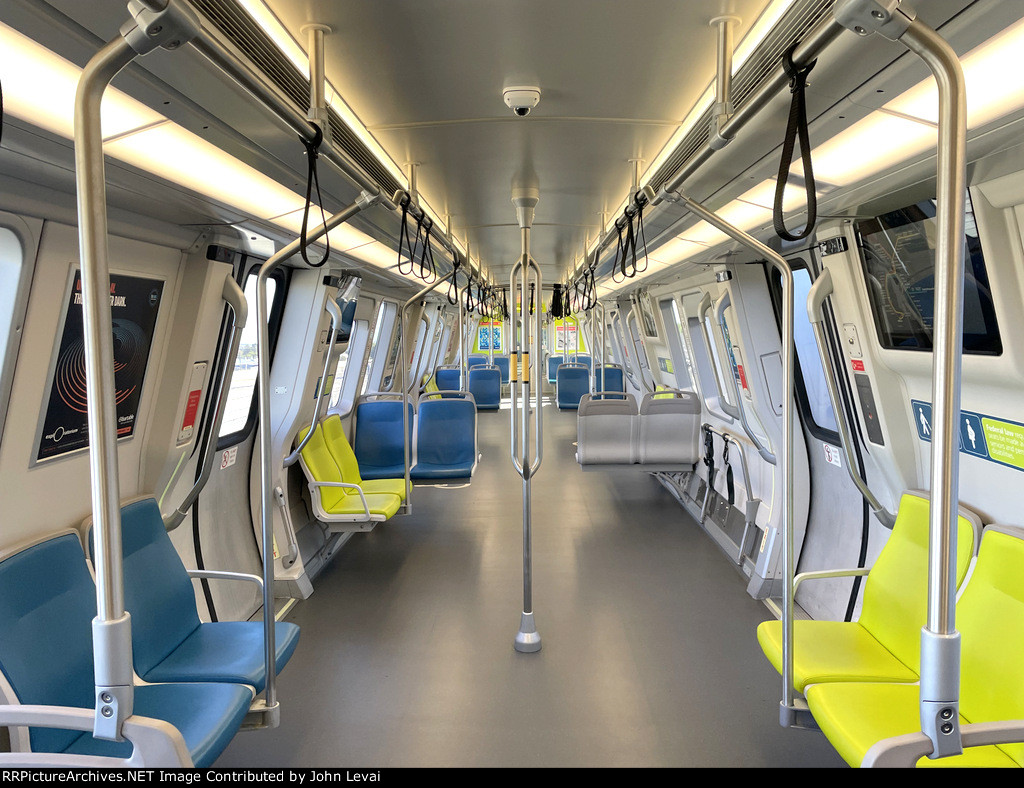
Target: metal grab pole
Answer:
pixel 112 640
pixel 528 639
pixel 820 290
pixel 267 486
pixel 235 298
pixel 789 713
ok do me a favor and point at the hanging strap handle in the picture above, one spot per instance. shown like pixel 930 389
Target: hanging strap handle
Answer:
pixel 709 457
pixel 797 126
pixel 729 483
pixel 313 182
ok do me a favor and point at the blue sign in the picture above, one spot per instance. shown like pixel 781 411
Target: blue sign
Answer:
pixel 986 437
pixel 972 435
pixel 922 419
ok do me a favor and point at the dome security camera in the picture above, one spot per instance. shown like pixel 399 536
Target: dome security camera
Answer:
pixel 522 99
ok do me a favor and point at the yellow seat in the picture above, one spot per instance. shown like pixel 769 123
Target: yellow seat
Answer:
pixel 990 619
pixel 335 499
pixel 884 644
pixel 345 457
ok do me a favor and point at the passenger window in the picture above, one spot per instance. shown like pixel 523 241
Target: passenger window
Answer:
pixel 702 364
pixel 722 373
pixel 811 386
pixel 11 258
pixel 898 258
pixel 350 363
pixel 241 406
pixel 681 368
pixel 383 324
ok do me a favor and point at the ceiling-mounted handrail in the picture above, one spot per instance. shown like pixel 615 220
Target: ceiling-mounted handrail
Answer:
pixel 820 290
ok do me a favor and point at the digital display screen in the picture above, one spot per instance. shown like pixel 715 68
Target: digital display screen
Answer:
pixel 898 255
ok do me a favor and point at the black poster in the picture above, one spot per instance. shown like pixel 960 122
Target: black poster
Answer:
pixel 134 305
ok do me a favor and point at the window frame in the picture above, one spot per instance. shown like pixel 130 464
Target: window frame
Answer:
pixel 249 268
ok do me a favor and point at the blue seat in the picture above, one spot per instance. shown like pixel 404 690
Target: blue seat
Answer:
pixel 502 363
pixel 47 604
pixel 553 362
pixel 476 360
pixel 169 642
pixel 583 359
pixel 447 379
pixel 572 381
pixel 445 439
pixel 614 379
pixel 485 386
pixel 377 438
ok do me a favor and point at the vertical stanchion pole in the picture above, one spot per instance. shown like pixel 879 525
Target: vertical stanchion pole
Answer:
pixel 525 199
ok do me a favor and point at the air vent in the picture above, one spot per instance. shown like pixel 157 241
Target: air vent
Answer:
pixel 239 28
pixel 754 73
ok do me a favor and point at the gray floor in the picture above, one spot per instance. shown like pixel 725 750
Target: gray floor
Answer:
pixel 649 650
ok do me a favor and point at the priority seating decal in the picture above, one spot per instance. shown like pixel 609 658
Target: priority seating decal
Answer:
pixel 985 437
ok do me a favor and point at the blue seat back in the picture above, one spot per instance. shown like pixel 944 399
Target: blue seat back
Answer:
pixel 47 603
pixel 446 432
pixel 614 380
pixel 476 360
pixel 501 362
pixel 553 362
pixel 583 359
pixel 447 379
pixel 377 439
pixel 157 590
pixel 485 386
pixel 572 381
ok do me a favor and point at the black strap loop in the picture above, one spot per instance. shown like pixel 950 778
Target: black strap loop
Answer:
pixel 313 182
pixel 729 483
pixel 797 125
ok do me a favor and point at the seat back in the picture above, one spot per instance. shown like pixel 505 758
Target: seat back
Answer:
pixel 47 603
pixel 572 381
pixel 319 465
pixel 485 386
pixel 502 363
pixel 157 590
pixel 341 449
pixel 476 360
pixel 669 430
pixel 446 432
pixel 990 619
pixel 553 364
pixel 895 592
pixel 614 379
pixel 606 430
pixel 377 434
pixel 582 358
pixel 448 378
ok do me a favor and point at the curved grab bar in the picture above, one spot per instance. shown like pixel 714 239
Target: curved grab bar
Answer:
pixel 235 298
pixel 332 308
pixel 723 303
pixel 820 290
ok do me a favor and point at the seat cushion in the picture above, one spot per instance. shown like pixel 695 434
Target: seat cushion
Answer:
pixel 228 651
pixel 374 472
pixel 207 716
pixel 832 651
pixel 855 717
pixel 341 450
pixel 422 471
pixel 382 506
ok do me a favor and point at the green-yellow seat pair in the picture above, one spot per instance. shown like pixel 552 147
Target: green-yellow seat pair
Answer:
pixel 859 678
pixel 329 462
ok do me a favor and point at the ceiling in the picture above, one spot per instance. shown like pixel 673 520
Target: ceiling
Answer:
pixel 426 78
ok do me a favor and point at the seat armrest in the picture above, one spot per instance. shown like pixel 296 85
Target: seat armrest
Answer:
pixel 861 571
pixel 356 487
pixel 155 743
pixel 216 574
pixel 906 750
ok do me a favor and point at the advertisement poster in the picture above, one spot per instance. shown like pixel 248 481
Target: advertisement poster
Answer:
pixel 484 338
pixel 134 305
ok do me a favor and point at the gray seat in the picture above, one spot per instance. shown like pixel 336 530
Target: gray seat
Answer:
pixel 606 431
pixel 669 429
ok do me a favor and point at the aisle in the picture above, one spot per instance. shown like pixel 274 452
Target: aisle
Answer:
pixel 649 650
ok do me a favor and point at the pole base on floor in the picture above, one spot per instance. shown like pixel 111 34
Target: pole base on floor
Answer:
pixel 528 639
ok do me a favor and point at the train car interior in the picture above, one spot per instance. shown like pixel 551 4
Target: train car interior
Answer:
pixel 531 384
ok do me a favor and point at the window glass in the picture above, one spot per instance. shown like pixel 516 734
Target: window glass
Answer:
pixel 241 394
pixel 10 273
pixel 382 325
pixel 808 358
pixel 898 257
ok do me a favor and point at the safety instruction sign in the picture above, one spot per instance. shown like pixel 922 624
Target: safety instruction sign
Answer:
pixel 986 437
